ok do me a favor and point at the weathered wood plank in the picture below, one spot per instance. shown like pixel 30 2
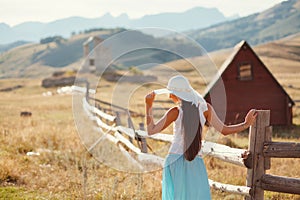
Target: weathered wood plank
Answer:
pixel 97 119
pixel 158 136
pixel 124 110
pixel 111 138
pixel 142 157
pixel 103 114
pixel 223 152
pixel 268 138
pixel 82 89
pixel 143 140
pixel 97 111
pixel 282 149
pixel 280 184
pixel 122 139
pixel 127 131
pixel 242 190
pixel 257 137
pixel 102 124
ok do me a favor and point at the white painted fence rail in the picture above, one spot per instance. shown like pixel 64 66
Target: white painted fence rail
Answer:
pixel 229 188
pixel 222 152
pixel 82 89
pixel 98 112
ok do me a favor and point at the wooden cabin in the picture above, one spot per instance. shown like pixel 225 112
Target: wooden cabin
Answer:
pixel 249 84
pixel 91 54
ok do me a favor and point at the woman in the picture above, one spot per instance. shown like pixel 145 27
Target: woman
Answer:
pixel 184 173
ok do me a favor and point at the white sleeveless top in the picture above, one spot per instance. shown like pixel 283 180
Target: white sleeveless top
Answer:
pixel 177 143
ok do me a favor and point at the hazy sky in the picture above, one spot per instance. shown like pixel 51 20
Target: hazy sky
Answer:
pixel 13 12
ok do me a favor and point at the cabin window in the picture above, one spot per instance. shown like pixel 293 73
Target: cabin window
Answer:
pixel 245 72
pixel 92 62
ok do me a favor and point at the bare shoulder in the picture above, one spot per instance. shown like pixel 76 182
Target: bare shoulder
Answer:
pixel 172 113
pixel 207 113
pixel 209 105
pixel 174 110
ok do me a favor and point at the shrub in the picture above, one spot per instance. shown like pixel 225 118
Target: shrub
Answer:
pixel 56 39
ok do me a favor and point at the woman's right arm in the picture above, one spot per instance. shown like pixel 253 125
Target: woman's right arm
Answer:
pixel 161 124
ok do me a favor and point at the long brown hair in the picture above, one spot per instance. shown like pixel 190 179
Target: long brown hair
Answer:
pixel 192 130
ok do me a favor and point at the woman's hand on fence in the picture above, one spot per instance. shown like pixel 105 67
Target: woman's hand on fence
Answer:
pixel 250 117
pixel 150 98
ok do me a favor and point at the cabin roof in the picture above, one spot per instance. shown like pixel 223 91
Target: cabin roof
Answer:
pixel 228 62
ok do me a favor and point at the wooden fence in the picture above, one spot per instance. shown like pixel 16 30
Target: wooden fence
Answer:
pixel 256 158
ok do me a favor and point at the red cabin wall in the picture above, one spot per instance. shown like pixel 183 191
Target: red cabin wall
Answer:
pixel 262 92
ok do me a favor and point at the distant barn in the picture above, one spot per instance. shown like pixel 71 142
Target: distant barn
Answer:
pixel 96 56
pixel 249 84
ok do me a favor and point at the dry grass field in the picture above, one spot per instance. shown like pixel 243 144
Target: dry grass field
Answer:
pixel 42 157
pixel 64 170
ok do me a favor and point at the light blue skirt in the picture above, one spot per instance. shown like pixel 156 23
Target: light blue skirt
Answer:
pixel 184 180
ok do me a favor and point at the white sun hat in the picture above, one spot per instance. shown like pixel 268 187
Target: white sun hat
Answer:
pixel 180 87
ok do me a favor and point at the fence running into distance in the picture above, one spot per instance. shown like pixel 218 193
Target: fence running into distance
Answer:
pixel 256 158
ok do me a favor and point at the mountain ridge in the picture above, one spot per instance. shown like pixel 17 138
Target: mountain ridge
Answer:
pixel 274 23
pixel 66 26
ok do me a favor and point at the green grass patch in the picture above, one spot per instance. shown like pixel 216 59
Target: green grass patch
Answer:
pixel 18 193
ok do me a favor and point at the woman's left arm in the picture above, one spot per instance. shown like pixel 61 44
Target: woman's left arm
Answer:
pixel 215 121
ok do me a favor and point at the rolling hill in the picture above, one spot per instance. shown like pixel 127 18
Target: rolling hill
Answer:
pixel 40 59
pixel 275 23
pixel 9 46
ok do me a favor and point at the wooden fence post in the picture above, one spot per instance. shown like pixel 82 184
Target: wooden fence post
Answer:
pixel 118 119
pixel 87 91
pixel 259 132
pixel 143 140
pixel 130 125
pixel 98 106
